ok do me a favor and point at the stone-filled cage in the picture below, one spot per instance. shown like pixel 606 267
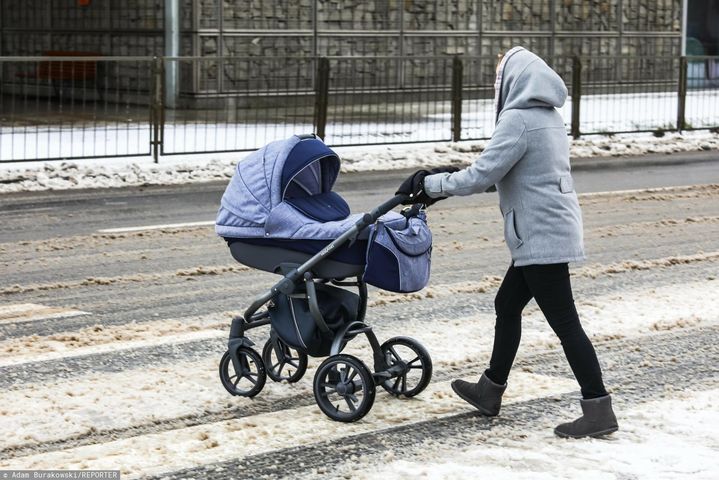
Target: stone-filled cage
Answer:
pixel 265 35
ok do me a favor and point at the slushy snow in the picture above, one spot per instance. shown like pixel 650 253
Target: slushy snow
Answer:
pixel 82 406
pixel 119 172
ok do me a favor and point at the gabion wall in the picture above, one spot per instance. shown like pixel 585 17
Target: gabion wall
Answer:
pixel 415 28
pixel 426 27
pixel 310 28
pixel 122 28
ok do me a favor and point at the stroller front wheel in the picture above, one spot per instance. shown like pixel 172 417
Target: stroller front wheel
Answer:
pixel 414 363
pixel 283 362
pixel 246 376
pixel 344 388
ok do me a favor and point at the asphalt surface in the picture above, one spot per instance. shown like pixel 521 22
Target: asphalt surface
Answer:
pixel 657 226
pixel 43 215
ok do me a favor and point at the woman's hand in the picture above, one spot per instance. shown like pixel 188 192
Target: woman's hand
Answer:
pixel 413 186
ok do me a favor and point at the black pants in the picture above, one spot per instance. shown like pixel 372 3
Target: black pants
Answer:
pixel 550 286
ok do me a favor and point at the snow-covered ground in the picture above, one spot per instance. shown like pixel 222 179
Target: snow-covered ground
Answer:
pixel 113 340
pixel 665 439
pixel 609 112
pixel 80 407
pixel 133 166
pixel 83 406
pixel 598 113
pixel 119 172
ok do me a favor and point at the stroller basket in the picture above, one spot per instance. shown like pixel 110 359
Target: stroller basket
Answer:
pixel 295 323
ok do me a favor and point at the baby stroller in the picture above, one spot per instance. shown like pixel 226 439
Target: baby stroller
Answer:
pixel 280 215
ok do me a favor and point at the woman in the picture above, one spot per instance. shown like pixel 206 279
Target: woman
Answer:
pixel 527 159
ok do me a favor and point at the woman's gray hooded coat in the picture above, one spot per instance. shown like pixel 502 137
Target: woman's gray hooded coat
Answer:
pixel 527 158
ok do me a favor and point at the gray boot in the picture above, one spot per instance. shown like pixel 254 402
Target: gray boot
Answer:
pixel 485 395
pixel 598 419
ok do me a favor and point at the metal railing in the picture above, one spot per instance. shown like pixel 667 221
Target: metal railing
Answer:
pixel 368 101
pixel 244 102
pixel 94 107
pixel 75 107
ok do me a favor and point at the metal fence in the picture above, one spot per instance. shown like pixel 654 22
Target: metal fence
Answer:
pixel 243 103
pixel 75 107
pixel 384 100
pixel 92 107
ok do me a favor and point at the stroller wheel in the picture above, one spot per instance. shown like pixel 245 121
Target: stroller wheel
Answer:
pixel 344 388
pixel 247 377
pixel 415 366
pixel 283 362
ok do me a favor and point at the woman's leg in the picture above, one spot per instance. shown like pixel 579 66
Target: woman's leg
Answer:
pixel 486 394
pixel 512 297
pixel 551 288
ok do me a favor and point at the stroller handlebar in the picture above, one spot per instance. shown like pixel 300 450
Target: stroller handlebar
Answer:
pixel 375 213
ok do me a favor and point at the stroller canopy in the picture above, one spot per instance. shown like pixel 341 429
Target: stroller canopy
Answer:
pixel 310 168
pixel 275 183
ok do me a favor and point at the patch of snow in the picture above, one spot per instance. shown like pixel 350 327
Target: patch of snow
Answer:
pixel 665 439
pixel 183 169
pixel 599 113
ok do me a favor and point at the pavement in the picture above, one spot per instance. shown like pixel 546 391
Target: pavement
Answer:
pixel 62 213
pixel 649 160
pixel 115 335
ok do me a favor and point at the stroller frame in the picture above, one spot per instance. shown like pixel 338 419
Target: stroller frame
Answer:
pixel 387 363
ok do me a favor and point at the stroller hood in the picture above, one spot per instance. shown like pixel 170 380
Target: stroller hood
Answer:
pixel 301 166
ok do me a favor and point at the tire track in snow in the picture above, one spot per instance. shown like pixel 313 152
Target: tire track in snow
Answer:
pixel 122 279
pixel 208 302
pixel 91 244
pixel 258 406
pixel 659 194
pixel 266 432
pixel 208 297
pixel 93 240
pixel 544 363
pixel 453 222
pixel 98 340
pixel 103 436
pixel 109 362
pixel 389 316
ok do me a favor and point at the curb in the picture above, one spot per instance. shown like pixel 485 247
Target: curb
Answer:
pixel 577 164
pixel 653 160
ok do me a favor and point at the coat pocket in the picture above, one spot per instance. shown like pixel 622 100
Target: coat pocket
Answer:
pixel 566 184
pixel 510 231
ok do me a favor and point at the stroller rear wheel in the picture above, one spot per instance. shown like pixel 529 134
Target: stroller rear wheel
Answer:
pixel 283 362
pixel 344 388
pixel 414 363
pixel 247 377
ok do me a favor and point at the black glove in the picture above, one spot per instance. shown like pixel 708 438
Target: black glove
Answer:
pixel 413 186
pixel 413 183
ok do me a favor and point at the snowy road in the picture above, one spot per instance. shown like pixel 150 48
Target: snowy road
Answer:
pixel 109 342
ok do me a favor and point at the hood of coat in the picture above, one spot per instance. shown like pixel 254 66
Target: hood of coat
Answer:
pixel 527 82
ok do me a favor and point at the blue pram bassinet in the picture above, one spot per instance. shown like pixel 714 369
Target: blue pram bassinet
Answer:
pixel 279 214
pixel 281 198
